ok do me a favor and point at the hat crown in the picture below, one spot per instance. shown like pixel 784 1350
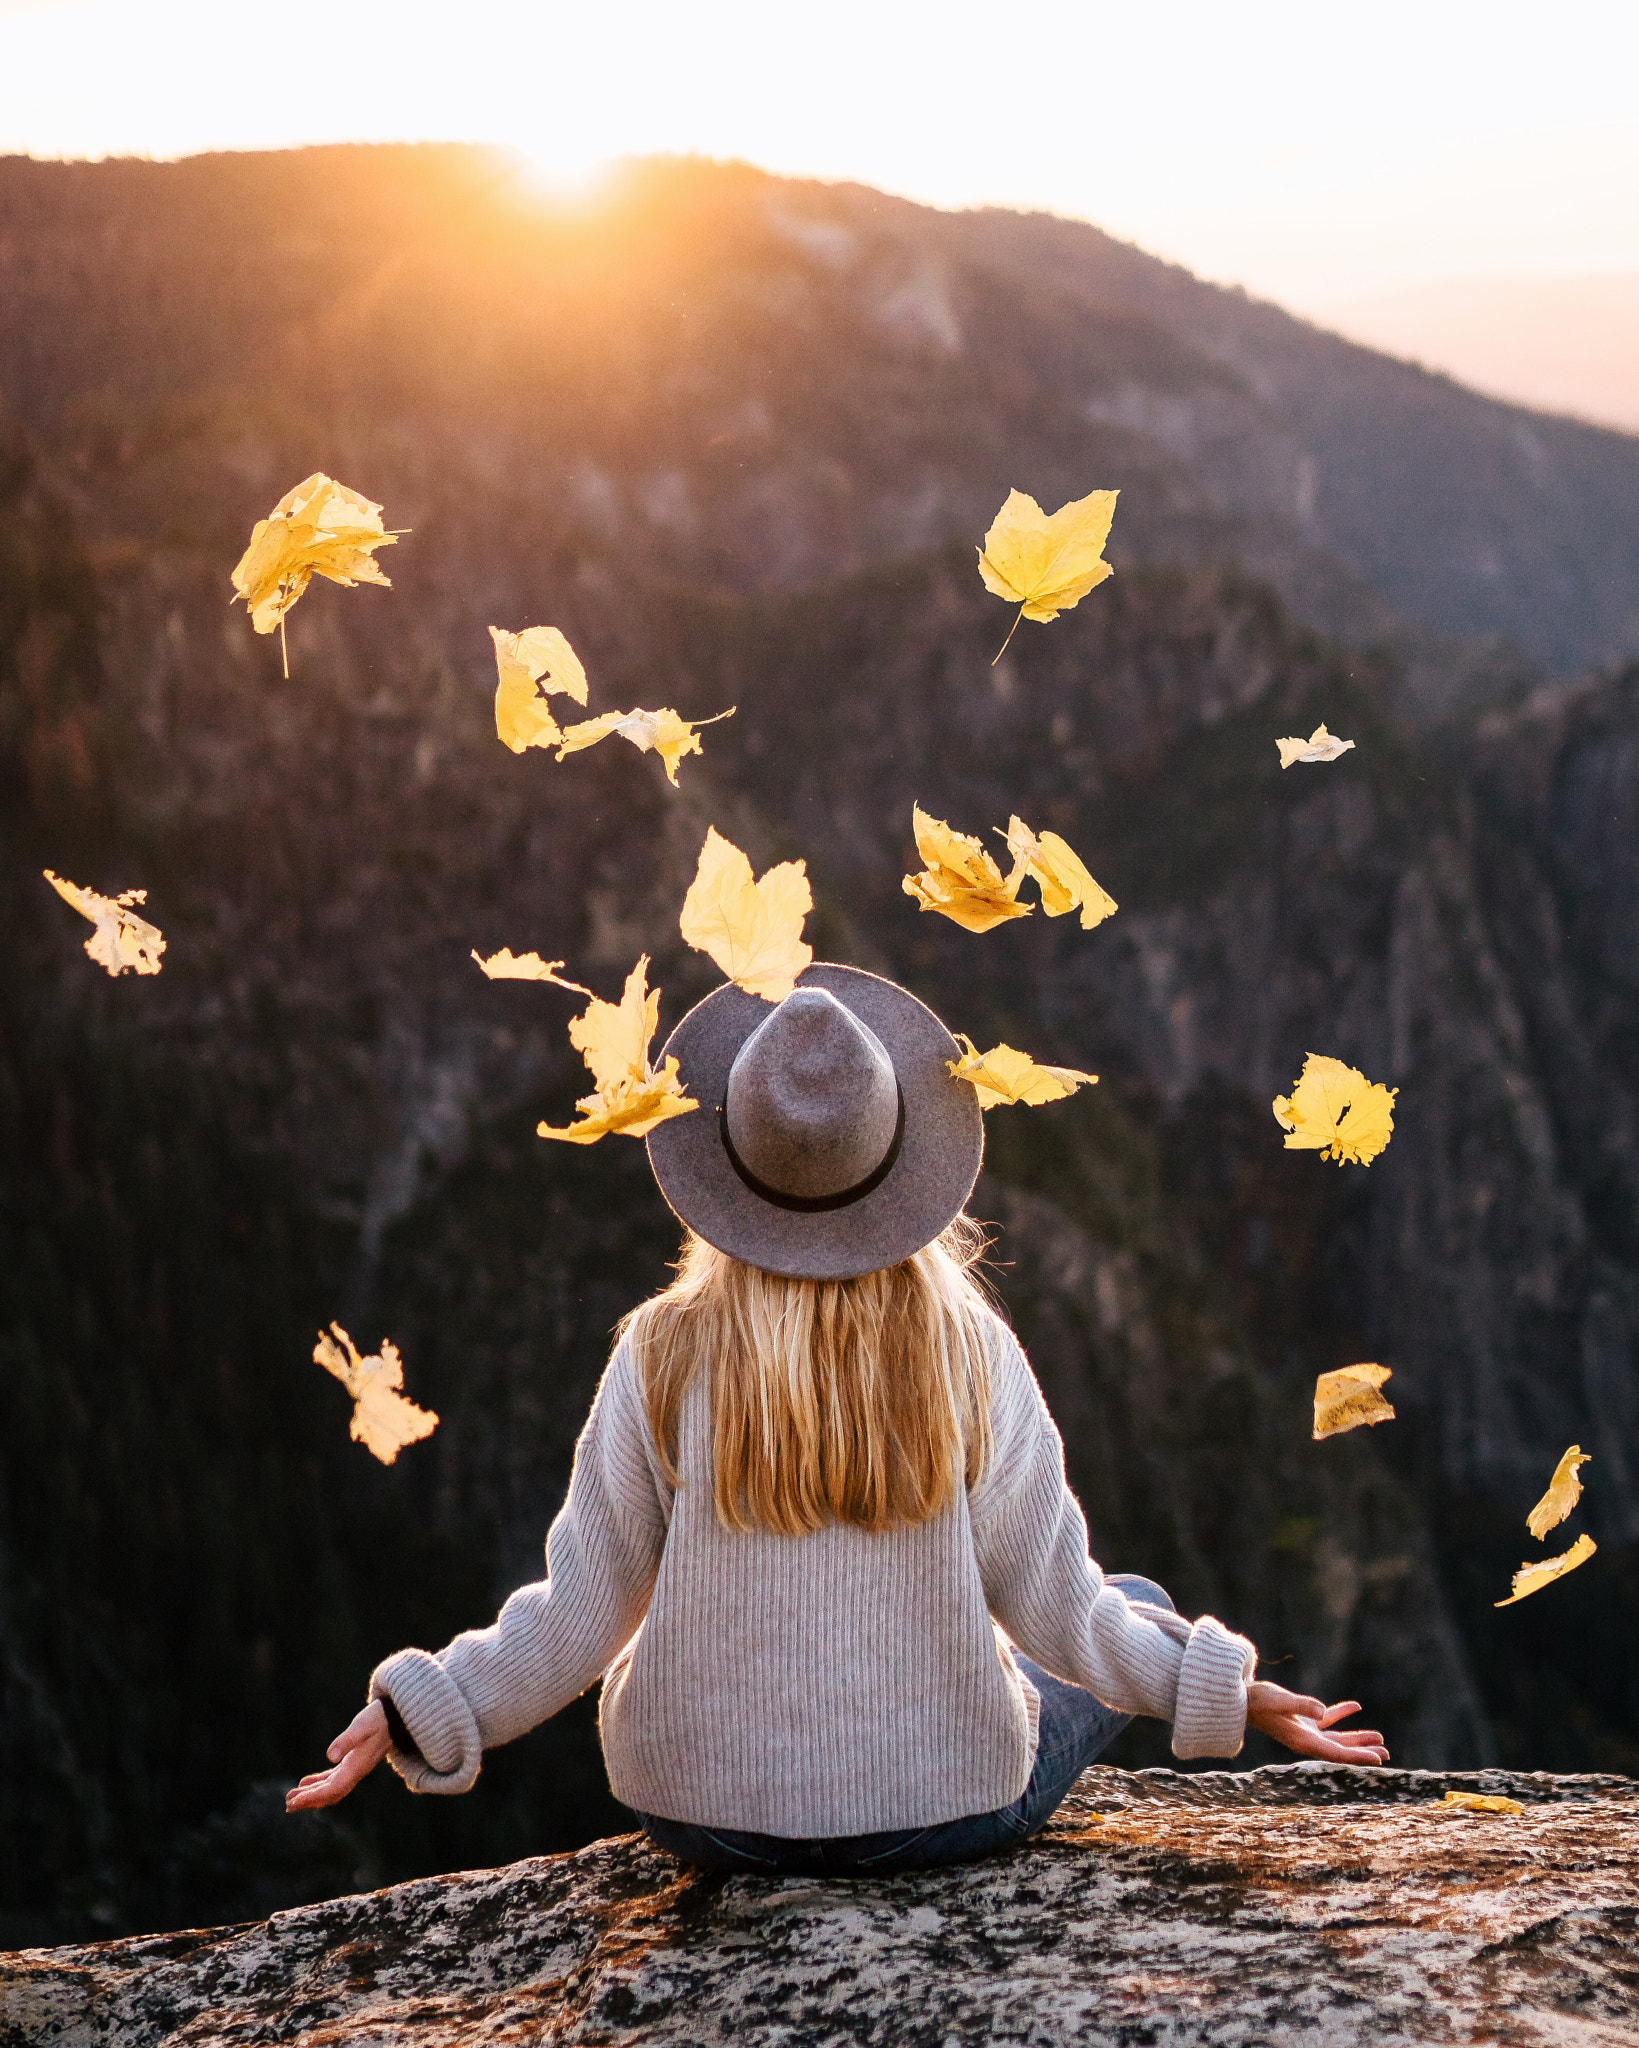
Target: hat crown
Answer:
pixel 812 1105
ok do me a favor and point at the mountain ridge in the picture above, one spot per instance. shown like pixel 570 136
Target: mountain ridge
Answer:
pixel 709 429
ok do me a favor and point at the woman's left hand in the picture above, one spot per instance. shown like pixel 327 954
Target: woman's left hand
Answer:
pixel 1308 1726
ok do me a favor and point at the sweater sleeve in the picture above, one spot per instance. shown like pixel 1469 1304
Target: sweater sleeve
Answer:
pixel 553 1639
pixel 1030 1538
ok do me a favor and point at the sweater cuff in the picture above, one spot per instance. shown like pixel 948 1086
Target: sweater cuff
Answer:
pixel 441 1724
pixel 1217 1667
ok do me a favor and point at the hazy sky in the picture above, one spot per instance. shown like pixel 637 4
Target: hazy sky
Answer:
pixel 1312 152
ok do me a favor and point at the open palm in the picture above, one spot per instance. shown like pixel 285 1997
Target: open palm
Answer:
pixel 1309 1726
pixel 353 1755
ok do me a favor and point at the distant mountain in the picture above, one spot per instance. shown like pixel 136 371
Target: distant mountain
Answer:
pixel 738 439
pixel 1564 344
pixel 762 383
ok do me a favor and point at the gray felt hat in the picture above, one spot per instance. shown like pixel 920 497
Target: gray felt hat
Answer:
pixel 831 1138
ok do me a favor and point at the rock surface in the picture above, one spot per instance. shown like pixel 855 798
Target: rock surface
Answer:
pixel 1299 1904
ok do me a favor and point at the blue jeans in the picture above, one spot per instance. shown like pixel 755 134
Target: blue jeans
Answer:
pixel 1073 1729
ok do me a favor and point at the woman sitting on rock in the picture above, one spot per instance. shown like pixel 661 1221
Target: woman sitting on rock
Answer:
pixel 818 1542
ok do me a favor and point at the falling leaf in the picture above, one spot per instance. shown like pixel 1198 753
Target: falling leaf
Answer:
pixel 384 1420
pixel 961 880
pixel 320 527
pixel 507 966
pixel 1336 1111
pixel 1564 1491
pixel 1531 1578
pixel 1045 565
pixel 613 1039
pixel 1065 883
pixel 753 930
pixel 529 666
pixel 1481 1802
pixel 1348 1397
pixel 122 942
pixel 631 1107
pixel 1005 1075
pixel 670 736
pixel 1319 746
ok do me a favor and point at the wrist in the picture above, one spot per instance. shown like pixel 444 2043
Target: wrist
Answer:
pixel 398 1733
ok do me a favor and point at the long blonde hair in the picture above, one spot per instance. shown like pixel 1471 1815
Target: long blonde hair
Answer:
pixel 862 1401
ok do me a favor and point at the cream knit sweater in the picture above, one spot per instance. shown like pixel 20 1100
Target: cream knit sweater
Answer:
pixel 833 1684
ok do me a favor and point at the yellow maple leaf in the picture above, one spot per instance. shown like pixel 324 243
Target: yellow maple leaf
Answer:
pixel 1319 746
pixel 1531 1578
pixel 121 942
pixel 1481 1802
pixel 1045 564
pixel 752 929
pixel 630 1107
pixel 320 528
pixel 384 1419
pixel 529 667
pixel 613 1039
pixel 1347 1398
pixel 960 879
pixel 507 966
pixel 1004 1075
pixel 1336 1111
pixel 1564 1491
pixel 670 736
pixel 1064 881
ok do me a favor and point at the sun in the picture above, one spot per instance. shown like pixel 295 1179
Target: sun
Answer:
pixel 566 180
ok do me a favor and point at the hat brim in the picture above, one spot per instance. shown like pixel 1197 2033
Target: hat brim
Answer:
pixel 931 1177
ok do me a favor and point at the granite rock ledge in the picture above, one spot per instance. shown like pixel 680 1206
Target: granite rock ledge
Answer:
pixel 1297 1905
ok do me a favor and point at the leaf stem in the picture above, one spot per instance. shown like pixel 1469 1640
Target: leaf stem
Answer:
pixel 284 646
pixel 1000 651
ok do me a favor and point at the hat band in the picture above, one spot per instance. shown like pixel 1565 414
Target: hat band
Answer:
pixel 814 1204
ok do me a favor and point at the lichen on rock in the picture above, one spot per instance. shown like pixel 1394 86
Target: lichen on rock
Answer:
pixel 1296 1904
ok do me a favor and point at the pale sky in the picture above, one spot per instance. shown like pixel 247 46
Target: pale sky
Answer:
pixel 1314 153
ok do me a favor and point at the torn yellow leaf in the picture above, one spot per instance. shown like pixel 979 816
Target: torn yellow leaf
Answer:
pixel 1065 883
pixel 1347 1398
pixel 1004 1075
pixel 670 736
pixel 507 966
pixel 613 1039
pixel 530 666
pixel 1335 1110
pixel 122 942
pixel 1482 1802
pixel 753 930
pixel 1531 1578
pixel 384 1419
pixel 960 879
pixel 1564 1491
pixel 1319 746
pixel 320 528
pixel 630 1107
pixel 1047 563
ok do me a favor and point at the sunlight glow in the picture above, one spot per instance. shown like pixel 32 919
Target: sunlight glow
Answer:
pixel 562 181
pixel 1311 153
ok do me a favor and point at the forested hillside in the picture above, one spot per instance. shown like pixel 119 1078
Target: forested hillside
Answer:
pixel 737 439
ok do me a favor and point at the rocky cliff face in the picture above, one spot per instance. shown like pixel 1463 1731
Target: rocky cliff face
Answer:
pixel 320 1108
pixel 1299 1904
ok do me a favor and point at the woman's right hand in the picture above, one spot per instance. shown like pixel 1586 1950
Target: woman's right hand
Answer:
pixel 353 1755
pixel 1308 1725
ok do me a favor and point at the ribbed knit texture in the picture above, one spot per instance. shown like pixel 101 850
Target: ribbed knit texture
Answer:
pixel 832 1684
